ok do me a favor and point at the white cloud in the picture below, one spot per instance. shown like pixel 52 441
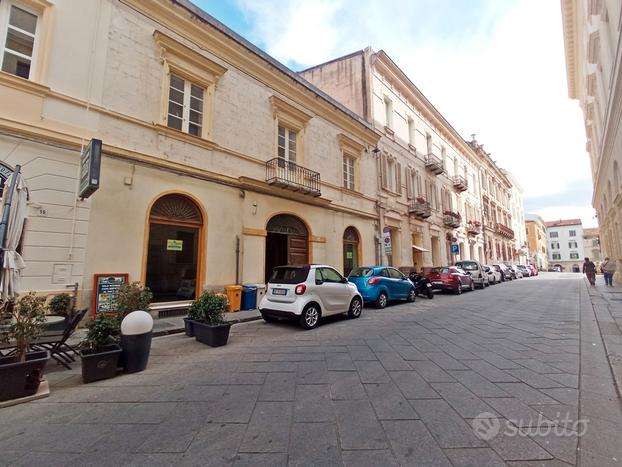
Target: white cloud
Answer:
pixel 497 71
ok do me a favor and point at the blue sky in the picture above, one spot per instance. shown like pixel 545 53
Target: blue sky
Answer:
pixel 492 67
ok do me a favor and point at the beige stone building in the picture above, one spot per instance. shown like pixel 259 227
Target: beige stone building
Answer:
pixel 592 39
pixel 428 189
pixel 497 218
pixel 537 241
pixel 218 162
pixel 591 245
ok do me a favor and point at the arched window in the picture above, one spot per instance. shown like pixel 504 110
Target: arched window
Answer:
pixel 173 252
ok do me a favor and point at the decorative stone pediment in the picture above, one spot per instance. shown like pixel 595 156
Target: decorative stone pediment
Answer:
pixel 289 114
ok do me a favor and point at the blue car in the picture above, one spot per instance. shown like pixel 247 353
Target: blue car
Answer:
pixel 380 284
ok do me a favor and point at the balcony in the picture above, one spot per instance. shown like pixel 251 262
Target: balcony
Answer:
pixel 460 183
pixel 434 165
pixel 286 174
pixel 474 227
pixel 452 219
pixel 420 208
pixel 504 231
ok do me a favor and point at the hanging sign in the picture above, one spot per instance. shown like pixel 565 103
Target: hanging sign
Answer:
pixel 455 248
pixel 174 245
pixel 106 290
pixel 386 240
pixel 90 166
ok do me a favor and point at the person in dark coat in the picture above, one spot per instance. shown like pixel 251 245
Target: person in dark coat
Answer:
pixel 589 269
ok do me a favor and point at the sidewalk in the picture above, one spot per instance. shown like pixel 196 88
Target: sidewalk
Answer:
pixel 175 324
pixel 607 303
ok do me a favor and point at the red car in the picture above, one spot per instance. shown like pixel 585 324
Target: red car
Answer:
pixel 450 278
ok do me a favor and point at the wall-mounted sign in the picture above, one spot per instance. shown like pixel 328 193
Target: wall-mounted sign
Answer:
pixel 349 254
pixel 174 245
pixel 90 166
pixel 386 241
pixel 455 248
pixel 106 290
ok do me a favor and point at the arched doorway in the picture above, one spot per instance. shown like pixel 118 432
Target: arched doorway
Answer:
pixel 350 250
pixel 287 242
pixel 173 252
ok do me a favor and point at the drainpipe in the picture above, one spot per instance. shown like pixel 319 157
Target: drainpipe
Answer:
pixel 237 259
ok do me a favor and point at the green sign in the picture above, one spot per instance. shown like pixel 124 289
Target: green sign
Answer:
pixel 175 245
pixel 349 255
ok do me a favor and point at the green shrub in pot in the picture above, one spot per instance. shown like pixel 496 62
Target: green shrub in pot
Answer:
pixel 209 323
pixel 100 350
pixel 60 304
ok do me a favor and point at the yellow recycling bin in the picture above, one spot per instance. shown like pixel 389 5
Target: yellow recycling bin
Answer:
pixel 234 296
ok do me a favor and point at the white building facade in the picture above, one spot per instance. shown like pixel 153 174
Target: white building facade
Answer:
pixel 565 242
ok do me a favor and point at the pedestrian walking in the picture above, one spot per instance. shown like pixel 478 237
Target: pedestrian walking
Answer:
pixel 589 269
pixel 608 268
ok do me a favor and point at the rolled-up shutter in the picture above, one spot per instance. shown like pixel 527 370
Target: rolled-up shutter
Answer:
pixel 398 176
pixel 383 171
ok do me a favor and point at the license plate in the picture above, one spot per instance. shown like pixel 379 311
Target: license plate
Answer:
pixel 279 291
pixel 428 285
pixel 437 283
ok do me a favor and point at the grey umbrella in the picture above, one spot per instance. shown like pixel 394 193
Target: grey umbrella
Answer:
pixel 15 202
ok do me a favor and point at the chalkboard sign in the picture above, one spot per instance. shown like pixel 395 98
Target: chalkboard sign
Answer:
pixel 106 290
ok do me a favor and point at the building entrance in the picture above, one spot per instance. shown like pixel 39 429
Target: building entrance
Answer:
pixel 287 242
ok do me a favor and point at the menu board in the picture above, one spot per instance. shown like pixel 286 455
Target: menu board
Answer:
pixel 106 290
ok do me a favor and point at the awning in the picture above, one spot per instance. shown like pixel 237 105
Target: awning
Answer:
pixel 419 248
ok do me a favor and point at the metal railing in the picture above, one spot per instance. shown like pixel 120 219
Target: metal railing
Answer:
pixel 473 228
pixel 286 174
pixel 452 219
pixel 460 183
pixel 504 230
pixel 420 208
pixel 434 164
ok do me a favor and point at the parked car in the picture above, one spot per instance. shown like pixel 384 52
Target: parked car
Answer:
pixel 525 270
pixel 475 269
pixel 450 278
pixel 533 268
pixel 515 271
pixel 494 275
pixel 307 293
pixel 506 275
pixel 381 284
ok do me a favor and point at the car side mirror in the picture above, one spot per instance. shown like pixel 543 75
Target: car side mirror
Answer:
pixel 344 280
pixel 467 273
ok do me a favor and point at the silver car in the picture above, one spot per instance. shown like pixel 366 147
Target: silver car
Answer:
pixel 476 271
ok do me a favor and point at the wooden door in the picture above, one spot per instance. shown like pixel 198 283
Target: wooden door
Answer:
pixel 298 250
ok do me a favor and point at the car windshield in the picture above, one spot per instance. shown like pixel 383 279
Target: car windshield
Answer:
pixel 468 266
pixel 289 275
pixel 361 272
pixel 436 270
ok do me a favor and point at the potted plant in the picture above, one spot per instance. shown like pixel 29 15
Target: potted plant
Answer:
pixel 100 350
pixel 189 321
pixel 210 326
pixel 60 305
pixel 22 322
pixel 133 297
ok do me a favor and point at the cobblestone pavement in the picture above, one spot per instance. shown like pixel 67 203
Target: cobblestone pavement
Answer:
pixel 488 378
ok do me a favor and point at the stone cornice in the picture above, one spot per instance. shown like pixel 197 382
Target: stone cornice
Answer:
pixel 289 113
pixel 569 20
pixel 26 85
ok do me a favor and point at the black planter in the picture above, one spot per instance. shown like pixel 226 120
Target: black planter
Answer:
pixel 214 336
pixel 21 379
pixel 100 365
pixel 189 327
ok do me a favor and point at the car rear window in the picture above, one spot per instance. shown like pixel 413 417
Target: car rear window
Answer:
pixel 467 266
pixel 361 272
pixel 289 275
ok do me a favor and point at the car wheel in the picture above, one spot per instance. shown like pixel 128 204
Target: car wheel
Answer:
pixel 269 319
pixel 430 293
pixel 356 307
pixel 473 286
pixel 381 301
pixel 459 290
pixel 412 294
pixel 310 316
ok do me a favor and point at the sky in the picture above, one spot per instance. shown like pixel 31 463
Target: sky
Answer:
pixel 493 68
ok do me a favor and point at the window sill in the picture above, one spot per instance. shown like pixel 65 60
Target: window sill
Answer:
pixel 23 84
pixel 185 137
pixel 389 131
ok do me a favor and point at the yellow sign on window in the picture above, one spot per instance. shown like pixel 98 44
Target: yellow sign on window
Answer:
pixel 174 245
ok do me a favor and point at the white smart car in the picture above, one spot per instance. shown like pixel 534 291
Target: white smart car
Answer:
pixel 307 293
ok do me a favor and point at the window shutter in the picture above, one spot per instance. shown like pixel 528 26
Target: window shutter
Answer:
pixel 398 176
pixel 383 171
pixel 409 184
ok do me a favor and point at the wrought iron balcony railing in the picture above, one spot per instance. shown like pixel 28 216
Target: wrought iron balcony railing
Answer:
pixel 288 175
pixel 434 164
pixel 474 227
pixel 460 183
pixel 452 219
pixel 420 208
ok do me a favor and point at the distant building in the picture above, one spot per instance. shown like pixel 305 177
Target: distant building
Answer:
pixel 537 245
pixel 517 213
pixel 592 39
pixel 565 240
pixel 591 244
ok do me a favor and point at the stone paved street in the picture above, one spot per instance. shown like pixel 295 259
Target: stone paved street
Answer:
pixel 492 377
